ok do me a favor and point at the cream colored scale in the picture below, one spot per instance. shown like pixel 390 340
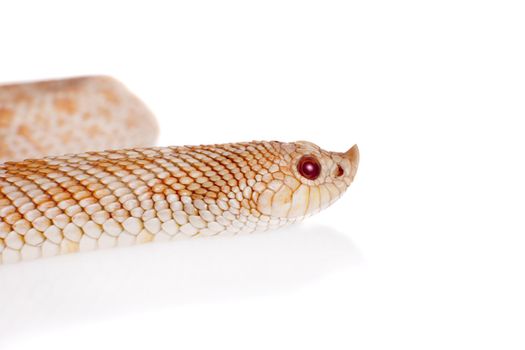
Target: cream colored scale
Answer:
pixel 102 199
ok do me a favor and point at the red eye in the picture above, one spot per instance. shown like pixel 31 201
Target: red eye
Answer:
pixel 309 167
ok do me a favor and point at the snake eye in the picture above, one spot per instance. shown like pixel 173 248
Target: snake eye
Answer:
pixel 309 167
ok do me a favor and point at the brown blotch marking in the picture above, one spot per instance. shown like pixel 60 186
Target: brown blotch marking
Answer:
pixel 65 105
pixel 61 122
pixel 6 117
pixel 5 152
pixel 42 121
pixel 132 122
pixel 110 96
pixel 94 131
pixel 66 137
pixel 25 132
pixel 104 112
pixel 22 97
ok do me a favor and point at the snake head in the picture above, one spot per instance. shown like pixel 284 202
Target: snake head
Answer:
pixel 306 179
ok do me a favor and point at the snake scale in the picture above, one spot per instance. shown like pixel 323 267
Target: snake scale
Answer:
pixel 123 192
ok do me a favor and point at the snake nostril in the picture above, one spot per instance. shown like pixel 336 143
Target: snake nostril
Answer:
pixel 339 171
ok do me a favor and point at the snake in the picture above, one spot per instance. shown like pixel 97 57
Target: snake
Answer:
pixel 79 171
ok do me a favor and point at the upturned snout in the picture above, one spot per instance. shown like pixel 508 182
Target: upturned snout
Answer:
pixel 353 156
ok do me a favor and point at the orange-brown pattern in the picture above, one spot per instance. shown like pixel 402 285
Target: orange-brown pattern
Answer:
pixel 95 200
pixel 129 194
pixel 65 116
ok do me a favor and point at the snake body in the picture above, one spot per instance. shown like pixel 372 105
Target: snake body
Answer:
pixel 134 194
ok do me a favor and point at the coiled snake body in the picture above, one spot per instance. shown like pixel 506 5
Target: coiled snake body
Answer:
pixel 131 194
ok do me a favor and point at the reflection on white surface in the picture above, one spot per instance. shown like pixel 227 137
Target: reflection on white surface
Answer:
pixel 53 292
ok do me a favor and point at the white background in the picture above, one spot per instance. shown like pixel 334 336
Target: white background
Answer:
pixel 425 251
